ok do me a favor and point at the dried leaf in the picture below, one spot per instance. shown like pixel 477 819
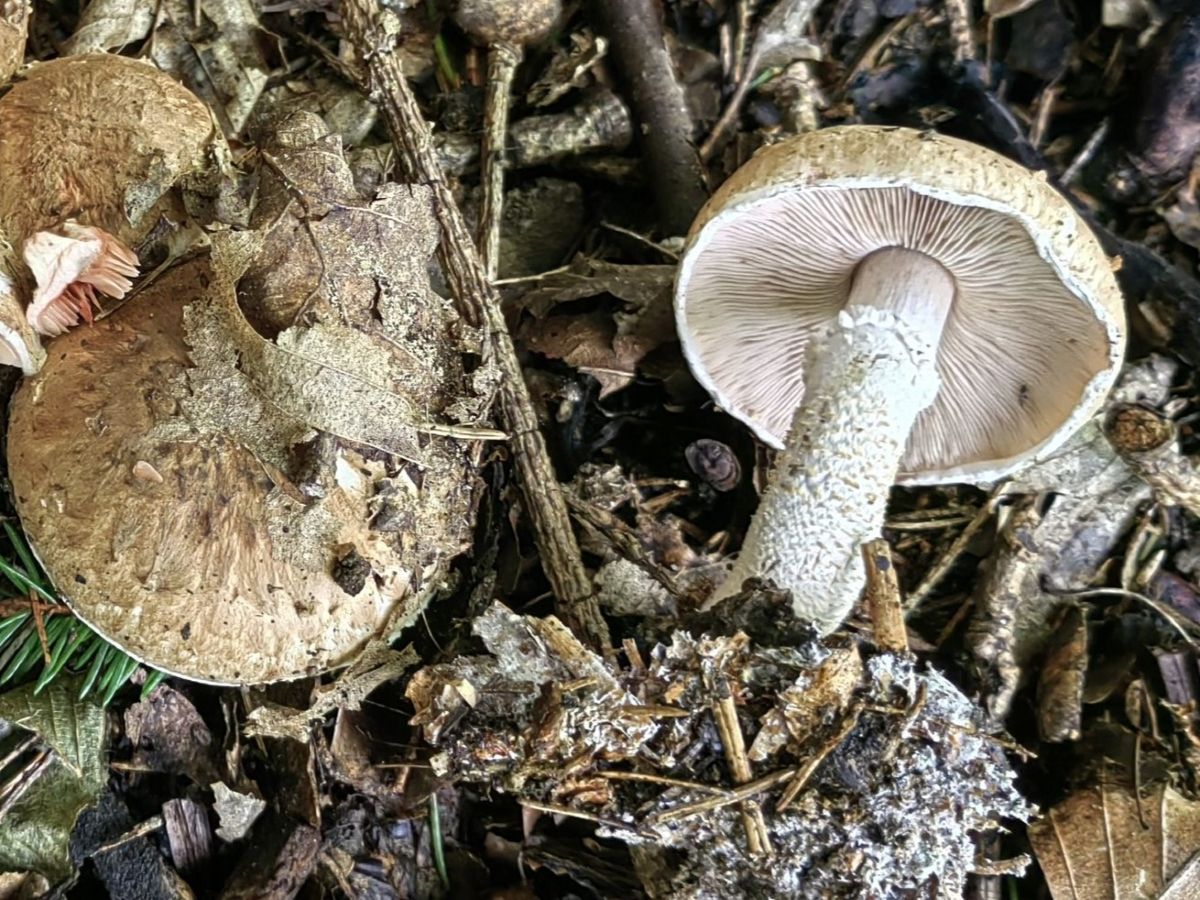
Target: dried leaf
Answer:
pixel 35 833
pixel 377 665
pixel 1061 680
pixel 220 56
pixel 1101 844
pixel 109 24
pixel 237 812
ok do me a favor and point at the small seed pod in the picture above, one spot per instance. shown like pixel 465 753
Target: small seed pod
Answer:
pixel 518 22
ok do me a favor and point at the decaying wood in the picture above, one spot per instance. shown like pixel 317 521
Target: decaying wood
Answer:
pixel 188 833
pixel 468 280
pixel 282 854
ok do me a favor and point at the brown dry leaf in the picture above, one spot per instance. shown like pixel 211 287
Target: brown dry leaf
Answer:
pixel 607 346
pixel 589 343
pixel 377 665
pixel 1101 844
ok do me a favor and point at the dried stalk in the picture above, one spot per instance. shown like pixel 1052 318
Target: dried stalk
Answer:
pixel 758 840
pixel 503 59
pixel 468 280
pixel 883 597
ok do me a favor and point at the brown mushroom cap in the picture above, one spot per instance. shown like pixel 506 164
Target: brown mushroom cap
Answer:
pixel 507 21
pixel 1035 335
pixel 98 138
pixel 182 546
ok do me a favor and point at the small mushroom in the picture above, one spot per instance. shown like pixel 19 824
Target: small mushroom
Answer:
pixel 90 147
pixel 887 305
pixel 505 27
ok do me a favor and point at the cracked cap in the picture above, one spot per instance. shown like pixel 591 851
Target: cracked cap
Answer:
pixel 1035 335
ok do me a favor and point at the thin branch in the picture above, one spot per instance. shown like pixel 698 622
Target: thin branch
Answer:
pixel 468 280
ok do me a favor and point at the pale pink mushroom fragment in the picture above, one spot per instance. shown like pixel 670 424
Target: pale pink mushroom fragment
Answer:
pixel 19 344
pixel 886 305
pixel 70 269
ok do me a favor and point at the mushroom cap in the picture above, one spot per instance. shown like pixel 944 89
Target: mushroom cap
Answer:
pixel 1035 335
pixel 507 21
pixel 98 138
pixel 185 548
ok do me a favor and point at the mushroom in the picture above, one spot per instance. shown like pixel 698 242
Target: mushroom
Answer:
pixel 885 305
pixel 90 147
pixel 197 549
pixel 221 504
pixel 505 27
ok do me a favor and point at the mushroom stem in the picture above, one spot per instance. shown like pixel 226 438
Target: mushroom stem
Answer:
pixel 871 375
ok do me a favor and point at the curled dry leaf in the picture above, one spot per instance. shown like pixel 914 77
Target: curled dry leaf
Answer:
pixel 608 346
pixel 1104 843
pixel 219 55
pixel 109 25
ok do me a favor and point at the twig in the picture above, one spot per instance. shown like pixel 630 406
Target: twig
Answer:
pixel 725 712
pixel 883 597
pixel 567 811
pixel 634 29
pixel 548 516
pixel 805 772
pixel 950 557
pixel 651 778
pixel 791 15
pixel 742 792
pixel 1149 443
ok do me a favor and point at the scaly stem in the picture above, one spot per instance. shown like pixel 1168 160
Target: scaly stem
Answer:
pixel 869 378
pixel 503 60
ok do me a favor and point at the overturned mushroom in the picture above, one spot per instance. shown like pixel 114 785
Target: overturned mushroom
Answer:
pixel 90 147
pixel 197 502
pixel 885 305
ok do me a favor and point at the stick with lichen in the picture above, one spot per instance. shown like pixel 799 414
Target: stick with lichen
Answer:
pixel 468 280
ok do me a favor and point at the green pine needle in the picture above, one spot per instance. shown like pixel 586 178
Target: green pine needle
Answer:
pixel 73 645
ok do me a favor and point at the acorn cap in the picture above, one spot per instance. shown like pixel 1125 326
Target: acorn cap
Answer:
pixel 96 138
pixel 1036 331
pixel 174 540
